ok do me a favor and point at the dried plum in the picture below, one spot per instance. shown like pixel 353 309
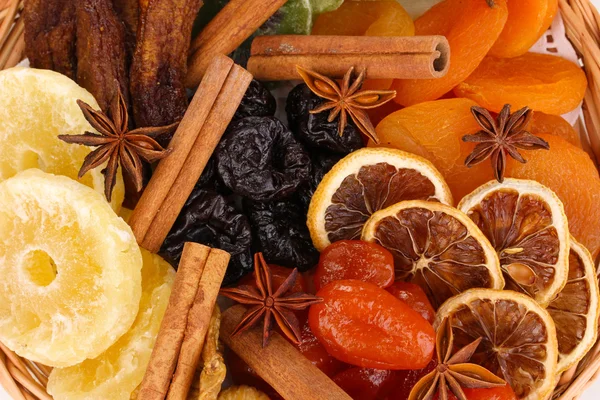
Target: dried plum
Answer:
pixel 280 232
pixel 257 102
pixel 321 164
pixel 260 159
pixel 313 129
pixel 210 219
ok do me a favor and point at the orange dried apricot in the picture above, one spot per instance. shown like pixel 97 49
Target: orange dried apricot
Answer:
pixel 572 175
pixel 368 18
pixel 471 27
pixel 434 130
pixel 527 21
pixel 540 81
pixel 554 125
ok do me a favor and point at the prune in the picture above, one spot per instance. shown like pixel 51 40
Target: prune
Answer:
pixel 280 232
pixel 313 129
pixel 321 164
pixel 257 102
pixel 210 179
pixel 259 158
pixel 208 218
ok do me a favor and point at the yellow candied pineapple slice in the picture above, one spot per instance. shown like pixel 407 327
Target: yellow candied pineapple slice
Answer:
pixel 70 267
pixel 117 372
pixel 35 107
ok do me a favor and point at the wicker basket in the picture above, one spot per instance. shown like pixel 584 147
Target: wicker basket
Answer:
pixel 26 380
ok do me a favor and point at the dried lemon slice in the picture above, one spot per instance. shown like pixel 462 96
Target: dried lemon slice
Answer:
pixel 116 373
pixel 575 309
pixel 519 338
pixel 435 246
pixel 35 107
pixel 71 280
pixel 364 182
pixel 526 223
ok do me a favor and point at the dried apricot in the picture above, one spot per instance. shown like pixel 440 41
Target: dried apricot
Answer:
pixel 352 310
pixel 434 130
pixel 572 175
pixel 415 297
pixel 354 259
pixel 527 22
pixel 369 18
pixel 541 82
pixel 471 27
pixel 554 125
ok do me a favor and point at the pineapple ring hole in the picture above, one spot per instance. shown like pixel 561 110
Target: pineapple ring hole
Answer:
pixel 40 267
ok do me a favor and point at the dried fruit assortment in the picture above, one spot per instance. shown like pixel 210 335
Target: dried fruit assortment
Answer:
pixel 389 233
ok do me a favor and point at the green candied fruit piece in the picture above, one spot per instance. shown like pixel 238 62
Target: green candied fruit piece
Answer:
pixel 323 6
pixel 294 18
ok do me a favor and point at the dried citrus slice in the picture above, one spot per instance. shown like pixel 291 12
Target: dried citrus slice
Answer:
pixel 526 223
pixel 519 338
pixel 116 373
pixel 35 107
pixel 575 309
pixel 435 246
pixel 71 280
pixel 365 181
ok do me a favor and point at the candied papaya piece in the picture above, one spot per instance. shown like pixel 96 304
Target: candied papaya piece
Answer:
pixel 366 18
pixel 554 125
pixel 434 130
pixel 471 27
pixel 542 82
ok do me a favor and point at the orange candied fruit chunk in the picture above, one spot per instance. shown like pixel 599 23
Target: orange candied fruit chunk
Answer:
pixel 471 27
pixel 366 18
pixel 527 22
pixel 553 125
pixel 542 82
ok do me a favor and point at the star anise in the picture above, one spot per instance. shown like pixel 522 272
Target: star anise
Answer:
pixel 117 145
pixel 497 138
pixel 453 372
pixel 347 99
pixel 268 304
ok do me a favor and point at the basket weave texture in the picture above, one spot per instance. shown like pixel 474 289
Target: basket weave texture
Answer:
pixel 26 380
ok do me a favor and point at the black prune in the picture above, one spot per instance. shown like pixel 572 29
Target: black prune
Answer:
pixel 210 179
pixel 321 164
pixel 257 102
pixel 210 219
pixel 260 159
pixel 313 129
pixel 280 232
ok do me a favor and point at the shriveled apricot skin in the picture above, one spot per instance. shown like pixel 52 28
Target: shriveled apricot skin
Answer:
pixel 527 22
pixel 354 259
pixel 572 175
pixel 353 311
pixel 415 297
pixel 554 125
pixel 540 81
pixel 471 27
pixel 434 130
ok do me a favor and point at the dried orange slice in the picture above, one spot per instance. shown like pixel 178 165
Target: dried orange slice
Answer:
pixel 364 182
pixel 519 338
pixel 437 247
pixel 526 223
pixel 575 309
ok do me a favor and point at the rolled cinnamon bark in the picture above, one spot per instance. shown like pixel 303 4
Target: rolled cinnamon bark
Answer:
pixel 396 57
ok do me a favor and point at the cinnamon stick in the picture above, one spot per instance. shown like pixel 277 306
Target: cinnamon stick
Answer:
pixel 187 132
pixel 236 22
pixel 419 57
pixel 164 356
pixel 219 117
pixel 278 362
pixel 198 323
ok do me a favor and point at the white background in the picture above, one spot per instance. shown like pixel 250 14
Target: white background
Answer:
pixel 591 394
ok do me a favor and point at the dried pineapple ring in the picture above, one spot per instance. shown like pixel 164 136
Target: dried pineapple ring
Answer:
pixel 71 280
pixel 119 370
